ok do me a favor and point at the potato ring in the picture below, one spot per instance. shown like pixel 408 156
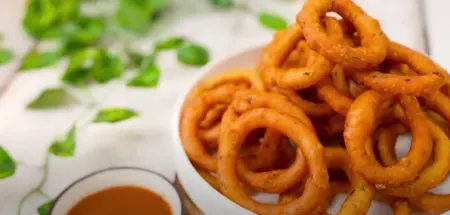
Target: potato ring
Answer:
pixel 210 136
pixel 418 62
pixel 373 40
pixel 337 101
pixel 311 108
pixel 308 143
pixel 270 65
pixel 340 81
pixel 432 203
pixel 439 120
pixel 189 124
pixel 332 125
pixel 430 176
pixel 277 180
pixel 439 102
pixel 213 116
pixel 399 84
pixel 358 202
pixel 359 125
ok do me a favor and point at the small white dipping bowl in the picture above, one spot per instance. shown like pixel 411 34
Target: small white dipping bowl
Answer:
pixel 205 197
pixel 114 177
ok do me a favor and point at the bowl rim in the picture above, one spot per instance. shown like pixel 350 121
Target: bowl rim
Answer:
pixel 177 113
pixel 110 169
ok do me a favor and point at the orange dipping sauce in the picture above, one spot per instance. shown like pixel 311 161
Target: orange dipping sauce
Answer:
pixel 129 200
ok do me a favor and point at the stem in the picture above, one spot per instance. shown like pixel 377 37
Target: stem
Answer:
pixel 13 74
pixel 38 188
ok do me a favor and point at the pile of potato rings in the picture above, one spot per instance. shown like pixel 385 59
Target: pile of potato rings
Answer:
pixel 320 115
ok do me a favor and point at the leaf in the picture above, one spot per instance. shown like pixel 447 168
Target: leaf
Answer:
pixel 114 114
pixel 134 16
pixel 93 63
pixel 42 16
pixel 77 72
pixel 273 21
pixel 84 32
pixel 36 60
pixel 171 43
pixel 107 67
pixel 49 98
pixel 7 164
pixel 148 76
pixel 223 3
pixel 5 56
pixel 192 54
pixel 44 208
pixel 66 147
pixel 157 5
pixel 134 59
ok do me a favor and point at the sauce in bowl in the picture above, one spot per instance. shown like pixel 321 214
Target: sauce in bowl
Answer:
pixel 132 200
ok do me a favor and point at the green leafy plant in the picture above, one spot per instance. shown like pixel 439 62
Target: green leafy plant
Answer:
pixel 44 208
pixel 49 98
pixel 36 60
pixel 44 18
pixel 223 3
pixel 170 43
pixel 92 64
pixel 272 20
pixel 7 164
pixel 83 32
pixel 66 147
pixel 137 15
pixel 5 55
pixel 192 54
pixel 148 76
pixel 114 114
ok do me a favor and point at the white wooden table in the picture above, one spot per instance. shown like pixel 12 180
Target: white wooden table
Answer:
pixel 145 141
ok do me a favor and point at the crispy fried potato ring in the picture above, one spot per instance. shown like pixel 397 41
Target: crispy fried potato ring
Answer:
pixel 311 108
pixel 270 65
pixel 430 176
pixel 340 81
pixel 358 203
pixel 374 42
pixel 418 62
pixel 337 101
pixel 359 125
pixel 213 116
pixel 399 84
pixel 278 180
pixel 231 140
pixel 432 203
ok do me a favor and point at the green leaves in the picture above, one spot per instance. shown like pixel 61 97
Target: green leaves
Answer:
pixel 5 55
pixel 36 60
pixel 171 43
pixel 44 208
pixel 44 16
pixel 148 76
pixel 66 147
pixel 7 164
pixel 223 3
pixel 85 31
pixel 192 54
pixel 272 21
pixel 92 63
pixel 114 114
pixel 49 98
pixel 136 15
pixel 107 67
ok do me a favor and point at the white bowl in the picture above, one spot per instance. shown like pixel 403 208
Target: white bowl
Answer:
pixel 205 197
pixel 113 177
